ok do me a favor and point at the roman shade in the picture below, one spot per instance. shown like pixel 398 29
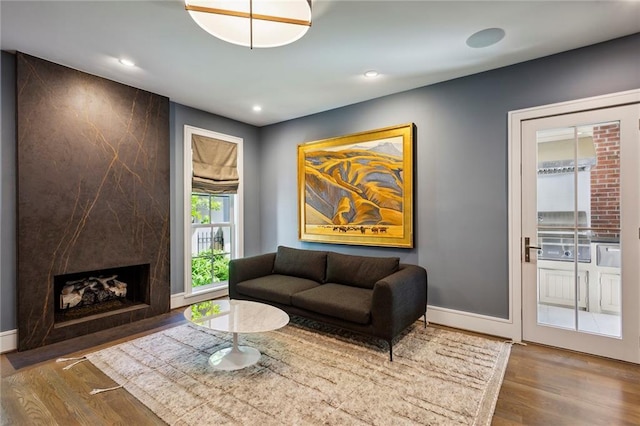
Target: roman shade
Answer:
pixel 214 165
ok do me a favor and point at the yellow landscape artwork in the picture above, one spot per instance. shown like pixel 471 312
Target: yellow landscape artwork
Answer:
pixel 357 189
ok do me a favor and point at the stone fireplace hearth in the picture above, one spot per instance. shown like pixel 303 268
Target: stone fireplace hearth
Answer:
pixel 93 201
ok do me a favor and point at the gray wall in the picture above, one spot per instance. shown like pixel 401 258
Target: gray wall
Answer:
pixel 179 116
pixel 461 174
pixel 8 193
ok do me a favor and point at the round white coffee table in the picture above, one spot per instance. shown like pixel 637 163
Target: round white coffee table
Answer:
pixel 236 316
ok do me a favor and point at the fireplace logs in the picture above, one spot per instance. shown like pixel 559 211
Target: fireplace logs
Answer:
pixel 91 290
pixel 103 293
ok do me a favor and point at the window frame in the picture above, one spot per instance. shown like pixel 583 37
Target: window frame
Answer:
pixel 236 218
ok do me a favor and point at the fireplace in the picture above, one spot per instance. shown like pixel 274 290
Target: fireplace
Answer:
pixel 89 295
pixel 93 203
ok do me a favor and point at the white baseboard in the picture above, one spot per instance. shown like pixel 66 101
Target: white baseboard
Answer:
pixel 179 300
pixel 8 341
pixel 473 322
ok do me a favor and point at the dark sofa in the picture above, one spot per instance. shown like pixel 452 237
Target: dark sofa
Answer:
pixel 375 296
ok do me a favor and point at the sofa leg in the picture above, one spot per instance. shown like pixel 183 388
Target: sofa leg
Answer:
pixel 390 351
pixel 425 320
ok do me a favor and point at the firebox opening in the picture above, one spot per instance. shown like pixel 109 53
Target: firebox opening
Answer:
pixel 84 295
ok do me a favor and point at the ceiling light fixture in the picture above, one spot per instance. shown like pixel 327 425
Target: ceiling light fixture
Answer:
pixel 257 108
pixel 371 74
pixel 252 23
pixel 127 62
pixel 485 38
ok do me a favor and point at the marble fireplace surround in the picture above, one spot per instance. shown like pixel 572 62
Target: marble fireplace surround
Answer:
pixel 93 193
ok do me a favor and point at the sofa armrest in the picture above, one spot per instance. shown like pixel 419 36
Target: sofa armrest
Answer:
pixel 248 268
pixel 399 300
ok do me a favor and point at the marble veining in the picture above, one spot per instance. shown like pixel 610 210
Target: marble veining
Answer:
pixel 93 190
pixel 237 316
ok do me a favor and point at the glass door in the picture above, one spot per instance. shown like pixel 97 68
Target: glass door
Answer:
pixel 580 227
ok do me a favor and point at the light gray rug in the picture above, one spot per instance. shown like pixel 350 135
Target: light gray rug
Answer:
pixel 307 377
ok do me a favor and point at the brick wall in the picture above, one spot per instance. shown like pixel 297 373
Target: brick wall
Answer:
pixel 605 179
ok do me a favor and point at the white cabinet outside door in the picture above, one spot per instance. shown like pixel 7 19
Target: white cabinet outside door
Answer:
pixel 610 295
pixel 558 287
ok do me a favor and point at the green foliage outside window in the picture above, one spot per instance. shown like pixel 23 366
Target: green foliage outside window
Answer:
pixel 212 265
pixel 209 267
pixel 201 207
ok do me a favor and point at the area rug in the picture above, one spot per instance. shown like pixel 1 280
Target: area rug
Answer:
pixel 309 375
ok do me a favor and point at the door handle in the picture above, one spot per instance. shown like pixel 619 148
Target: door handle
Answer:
pixel 527 247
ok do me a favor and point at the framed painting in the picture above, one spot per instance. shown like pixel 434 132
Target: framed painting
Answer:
pixel 358 189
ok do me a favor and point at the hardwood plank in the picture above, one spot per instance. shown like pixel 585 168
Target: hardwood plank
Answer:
pixel 50 395
pixel 545 386
pixel 20 405
pixel 55 394
pixel 117 406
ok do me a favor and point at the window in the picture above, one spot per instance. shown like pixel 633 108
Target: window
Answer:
pixel 212 219
pixel 211 239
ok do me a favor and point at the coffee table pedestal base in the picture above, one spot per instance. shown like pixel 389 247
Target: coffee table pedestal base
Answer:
pixel 234 358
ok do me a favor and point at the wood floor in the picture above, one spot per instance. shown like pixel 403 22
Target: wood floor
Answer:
pixel 547 386
pixel 542 386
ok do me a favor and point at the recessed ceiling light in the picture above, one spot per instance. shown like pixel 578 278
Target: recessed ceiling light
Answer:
pixel 485 38
pixel 371 74
pixel 127 62
pixel 257 108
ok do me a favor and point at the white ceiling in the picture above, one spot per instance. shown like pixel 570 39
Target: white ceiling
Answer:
pixel 412 44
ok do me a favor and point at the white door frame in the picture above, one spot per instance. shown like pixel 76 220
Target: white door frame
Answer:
pixel 515 119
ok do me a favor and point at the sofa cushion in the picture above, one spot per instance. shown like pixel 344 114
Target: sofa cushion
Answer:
pixel 359 271
pixel 309 264
pixel 336 300
pixel 275 288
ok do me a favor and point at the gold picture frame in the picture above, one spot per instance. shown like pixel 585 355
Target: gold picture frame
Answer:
pixel 358 189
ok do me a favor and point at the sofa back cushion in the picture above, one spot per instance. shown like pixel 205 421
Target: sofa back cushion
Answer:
pixel 359 271
pixel 309 264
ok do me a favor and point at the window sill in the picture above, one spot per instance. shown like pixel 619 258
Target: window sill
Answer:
pixel 195 291
pixel 182 299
